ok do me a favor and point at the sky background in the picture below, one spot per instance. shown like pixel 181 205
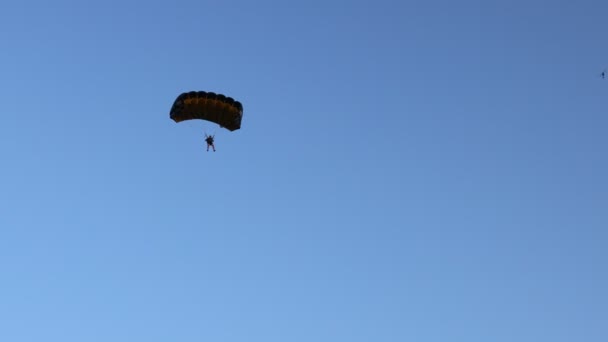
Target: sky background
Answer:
pixel 406 171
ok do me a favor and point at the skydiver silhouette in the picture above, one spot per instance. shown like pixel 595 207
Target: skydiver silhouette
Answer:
pixel 209 140
pixel 603 74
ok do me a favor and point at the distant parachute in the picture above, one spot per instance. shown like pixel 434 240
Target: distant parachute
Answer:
pixel 209 106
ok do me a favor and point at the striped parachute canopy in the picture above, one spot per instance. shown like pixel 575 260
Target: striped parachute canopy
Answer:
pixel 216 108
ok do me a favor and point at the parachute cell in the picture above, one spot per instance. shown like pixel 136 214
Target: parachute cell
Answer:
pixel 209 106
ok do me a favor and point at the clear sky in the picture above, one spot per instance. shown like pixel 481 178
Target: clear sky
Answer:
pixel 406 171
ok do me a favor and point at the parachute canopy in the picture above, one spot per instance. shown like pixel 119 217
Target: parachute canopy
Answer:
pixel 209 106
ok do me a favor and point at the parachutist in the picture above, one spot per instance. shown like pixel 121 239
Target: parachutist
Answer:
pixel 603 74
pixel 208 106
pixel 209 140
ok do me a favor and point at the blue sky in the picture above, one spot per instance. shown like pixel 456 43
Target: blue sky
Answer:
pixel 405 171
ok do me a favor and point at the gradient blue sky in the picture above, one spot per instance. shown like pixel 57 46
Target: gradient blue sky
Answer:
pixel 406 171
